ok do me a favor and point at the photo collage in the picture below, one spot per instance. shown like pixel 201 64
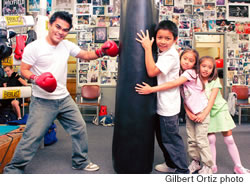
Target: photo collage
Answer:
pixel 96 22
pixel 227 16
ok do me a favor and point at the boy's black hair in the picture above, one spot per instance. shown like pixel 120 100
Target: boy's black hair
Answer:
pixel 62 15
pixel 167 25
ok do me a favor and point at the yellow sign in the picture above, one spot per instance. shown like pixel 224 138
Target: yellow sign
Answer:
pixel 8 94
pixel 14 20
pixel 8 61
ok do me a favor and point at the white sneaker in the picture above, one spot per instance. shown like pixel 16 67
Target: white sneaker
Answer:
pixel 206 170
pixel 241 170
pixel 194 166
pixel 90 167
pixel 164 168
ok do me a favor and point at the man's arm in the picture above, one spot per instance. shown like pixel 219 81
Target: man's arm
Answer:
pixel 108 48
pixel 87 55
pixel 25 70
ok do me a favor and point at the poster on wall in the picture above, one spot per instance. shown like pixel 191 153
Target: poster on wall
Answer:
pixel 63 5
pixel 238 1
pixel 238 11
pixel 34 5
pixel 13 7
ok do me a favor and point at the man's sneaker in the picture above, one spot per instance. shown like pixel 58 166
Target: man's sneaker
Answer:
pixel 206 170
pixel 214 169
pixel 164 168
pixel 89 167
pixel 194 166
pixel 241 170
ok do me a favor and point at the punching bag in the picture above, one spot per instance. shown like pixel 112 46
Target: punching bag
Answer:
pixel 133 138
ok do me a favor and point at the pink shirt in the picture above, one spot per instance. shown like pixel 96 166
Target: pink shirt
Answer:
pixel 192 92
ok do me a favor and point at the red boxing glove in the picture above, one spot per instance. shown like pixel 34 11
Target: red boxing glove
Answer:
pixel 20 44
pixel 108 48
pixel 45 81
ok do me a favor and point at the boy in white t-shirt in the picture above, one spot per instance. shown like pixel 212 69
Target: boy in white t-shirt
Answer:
pixel 168 102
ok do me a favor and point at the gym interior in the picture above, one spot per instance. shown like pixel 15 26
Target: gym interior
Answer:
pixel 103 89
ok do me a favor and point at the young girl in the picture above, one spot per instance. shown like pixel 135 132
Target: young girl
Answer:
pixel 194 99
pixel 220 118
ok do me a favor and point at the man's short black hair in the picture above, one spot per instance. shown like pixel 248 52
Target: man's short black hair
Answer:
pixel 62 15
pixel 167 25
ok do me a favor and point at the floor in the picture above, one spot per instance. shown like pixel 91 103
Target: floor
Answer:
pixel 56 158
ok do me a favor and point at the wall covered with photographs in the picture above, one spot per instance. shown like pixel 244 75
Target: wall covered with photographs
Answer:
pixel 96 21
pixel 229 16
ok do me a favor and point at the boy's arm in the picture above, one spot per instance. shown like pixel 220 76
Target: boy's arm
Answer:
pixel 201 116
pixel 144 88
pixel 146 43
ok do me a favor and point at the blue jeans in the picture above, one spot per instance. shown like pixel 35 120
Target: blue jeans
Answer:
pixel 171 143
pixel 42 113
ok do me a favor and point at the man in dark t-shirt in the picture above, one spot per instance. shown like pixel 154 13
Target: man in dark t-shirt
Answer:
pixel 13 79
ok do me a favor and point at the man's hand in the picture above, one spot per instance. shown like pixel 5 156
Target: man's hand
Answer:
pixel 108 48
pixel 45 81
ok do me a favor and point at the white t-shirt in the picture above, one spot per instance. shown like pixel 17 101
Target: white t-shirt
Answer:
pixel 168 101
pixel 48 58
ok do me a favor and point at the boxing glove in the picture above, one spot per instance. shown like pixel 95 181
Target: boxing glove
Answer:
pixel 45 81
pixel 108 48
pixel 31 37
pixel 20 44
pixel 5 46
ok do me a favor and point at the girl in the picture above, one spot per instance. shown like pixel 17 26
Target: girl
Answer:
pixel 220 118
pixel 192 89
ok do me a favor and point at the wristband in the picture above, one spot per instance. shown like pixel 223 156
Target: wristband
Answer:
pixel 33 79
pixel 99 52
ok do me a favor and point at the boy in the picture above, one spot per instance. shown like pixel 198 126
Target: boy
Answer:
pixel 168 102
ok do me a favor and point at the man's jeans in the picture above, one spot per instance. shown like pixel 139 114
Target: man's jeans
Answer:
pixel 42 113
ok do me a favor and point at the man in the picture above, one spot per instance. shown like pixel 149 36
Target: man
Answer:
pixel 45 64
pixel 13 79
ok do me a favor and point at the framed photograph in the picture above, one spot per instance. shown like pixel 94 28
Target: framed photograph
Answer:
pixel 168 2
pixel 114 32
pixel 96 2
pixel 82 9
pixel 83 20
pixel 83 1
pixel 116 6
pixel 64 5
pixel 100 34
pixel 238 1
pixel 13 7
pixel 105 2
pixel 98 10
pixel 238 11
pixel 34 5
pixel 109 10
pixel 220 2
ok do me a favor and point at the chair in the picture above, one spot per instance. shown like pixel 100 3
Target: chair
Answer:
pixel 90 97
pixel 242 98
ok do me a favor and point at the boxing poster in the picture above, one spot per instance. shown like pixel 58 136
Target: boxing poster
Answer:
pixel 13 7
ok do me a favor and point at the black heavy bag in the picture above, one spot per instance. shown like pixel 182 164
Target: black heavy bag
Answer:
pixel 133 138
